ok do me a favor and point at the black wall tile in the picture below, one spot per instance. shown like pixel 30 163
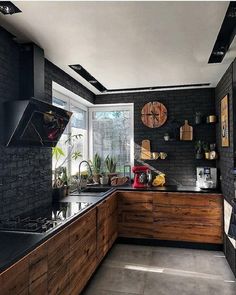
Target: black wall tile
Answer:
pixel 180 165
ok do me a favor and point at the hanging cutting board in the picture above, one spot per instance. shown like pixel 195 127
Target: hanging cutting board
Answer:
pixel 145 150
pixel 186 131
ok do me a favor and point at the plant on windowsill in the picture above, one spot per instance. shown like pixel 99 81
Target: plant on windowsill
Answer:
pixel 96 167
pixel 60 181
pixel 110 163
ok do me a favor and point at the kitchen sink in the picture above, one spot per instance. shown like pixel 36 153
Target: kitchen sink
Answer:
pixel 97 189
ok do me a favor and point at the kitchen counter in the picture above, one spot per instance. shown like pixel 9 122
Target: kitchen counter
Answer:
pixel 173 188
pixel 14 246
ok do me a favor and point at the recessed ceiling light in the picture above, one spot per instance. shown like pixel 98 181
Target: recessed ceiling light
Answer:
pixel 88 77
pixel 7 7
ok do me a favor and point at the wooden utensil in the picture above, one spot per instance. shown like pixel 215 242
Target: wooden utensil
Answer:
pixel 186 131
pixel 145 150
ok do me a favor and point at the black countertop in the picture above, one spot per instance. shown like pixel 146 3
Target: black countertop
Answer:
pixel 14 246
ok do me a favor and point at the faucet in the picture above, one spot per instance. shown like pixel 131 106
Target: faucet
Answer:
pixel 79 175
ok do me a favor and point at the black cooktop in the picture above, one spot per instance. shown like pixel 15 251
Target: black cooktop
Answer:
pixel 44 219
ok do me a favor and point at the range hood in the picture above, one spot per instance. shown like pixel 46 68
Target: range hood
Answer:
pixel 34 123
pixel 29 121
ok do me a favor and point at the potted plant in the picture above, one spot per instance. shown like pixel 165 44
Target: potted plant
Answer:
pixel 104 179
pixel 96 167
pixel 111 163
pixel 198 149
pixel 206 150
pixel 60 183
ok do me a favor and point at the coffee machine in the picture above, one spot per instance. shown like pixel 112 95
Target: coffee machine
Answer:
pixel 206 177
pixel 142 176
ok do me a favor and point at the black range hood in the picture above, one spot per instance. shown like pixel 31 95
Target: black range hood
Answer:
pixel 28 120
pixel 34 123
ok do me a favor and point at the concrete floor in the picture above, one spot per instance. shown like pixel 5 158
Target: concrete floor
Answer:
pixel 132 269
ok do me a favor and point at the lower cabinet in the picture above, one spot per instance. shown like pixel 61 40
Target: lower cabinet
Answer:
pixel 135 214
pixel 83 242
pixel 15 280
pixel 106 225
pixel 188 217
pixel 58 263
pixel 38 270
pixel 64 263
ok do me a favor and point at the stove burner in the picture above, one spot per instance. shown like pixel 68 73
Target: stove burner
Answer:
pixel 59 212
pixel 38 225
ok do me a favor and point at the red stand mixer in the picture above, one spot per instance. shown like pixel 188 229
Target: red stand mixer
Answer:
pixel 142 176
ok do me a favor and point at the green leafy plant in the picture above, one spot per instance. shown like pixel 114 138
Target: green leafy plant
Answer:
pixel 96 164
pixel 111 163
pixel 60 177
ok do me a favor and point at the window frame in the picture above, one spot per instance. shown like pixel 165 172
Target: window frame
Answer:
pixel 71 101
pixel 112 107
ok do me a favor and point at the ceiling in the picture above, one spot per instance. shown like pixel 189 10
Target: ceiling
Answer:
pixel 126 44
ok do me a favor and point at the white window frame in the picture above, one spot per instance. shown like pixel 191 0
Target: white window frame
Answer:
pixel 71 101
pixel 112 107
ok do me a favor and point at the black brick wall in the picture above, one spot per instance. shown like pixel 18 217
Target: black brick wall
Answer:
pixel 180 165
pixel 226 160
pixel 25 173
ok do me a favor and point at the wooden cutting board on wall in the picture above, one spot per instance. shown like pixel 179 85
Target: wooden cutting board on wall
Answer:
pixel 145 150
pixel 186 131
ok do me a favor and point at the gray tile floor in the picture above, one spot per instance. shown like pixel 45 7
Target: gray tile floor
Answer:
pixel 132 269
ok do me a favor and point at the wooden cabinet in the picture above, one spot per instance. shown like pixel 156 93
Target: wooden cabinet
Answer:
pixel 58 263
pixel 38 271
pixel 82 242
pixel 14 280
pixel 64 263
pixel 135 214
pixel 188 217
pixel 106 225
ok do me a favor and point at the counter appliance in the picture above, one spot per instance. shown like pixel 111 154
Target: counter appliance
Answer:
pixel 206 177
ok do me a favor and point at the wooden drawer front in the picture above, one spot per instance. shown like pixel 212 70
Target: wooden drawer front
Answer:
pixel 82 228
pixel 166 230
pixel 82 251
pixel 188 217
pixel 38 270
pixel 14 281
pixel 135 216
pixel 58 263
pixel 187 199
pixel 112 204
pixel 102 212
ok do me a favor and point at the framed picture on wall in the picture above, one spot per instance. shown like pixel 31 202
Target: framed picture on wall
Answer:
pixel 224 121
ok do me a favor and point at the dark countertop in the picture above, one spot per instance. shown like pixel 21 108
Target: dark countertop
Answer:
pixel 14 246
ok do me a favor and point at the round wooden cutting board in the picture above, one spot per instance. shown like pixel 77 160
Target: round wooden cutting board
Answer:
pixel 154 114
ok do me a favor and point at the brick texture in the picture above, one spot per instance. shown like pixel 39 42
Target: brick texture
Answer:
pixel 180 165
pixel 226 154
pixel 26 173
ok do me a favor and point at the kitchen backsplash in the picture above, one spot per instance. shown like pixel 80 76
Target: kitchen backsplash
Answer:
pixel 180 164
pixel 25 173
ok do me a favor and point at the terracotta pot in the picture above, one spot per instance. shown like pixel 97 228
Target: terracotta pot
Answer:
pixel 96 178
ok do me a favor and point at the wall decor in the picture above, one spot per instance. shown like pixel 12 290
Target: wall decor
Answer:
pixel 154 114
pixel 186 132
pixel 224 122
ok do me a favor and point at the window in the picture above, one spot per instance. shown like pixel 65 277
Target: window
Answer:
pixel 111 130
pixel 78 125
